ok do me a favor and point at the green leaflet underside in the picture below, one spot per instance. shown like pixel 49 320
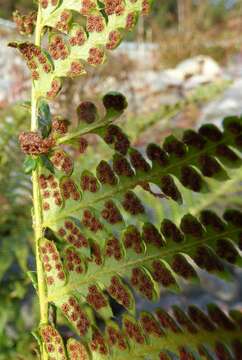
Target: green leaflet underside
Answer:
pixel 79 34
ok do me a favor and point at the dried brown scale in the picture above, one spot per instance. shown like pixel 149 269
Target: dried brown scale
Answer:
pixel 113 249
pixel 167 321
pixel 105 174
pixel 132 240
pixel 161 274
pixel 118 291
pixel 132 204
pixel 72 310
pixel 150 325
pixel 171 231
pixel 133 332
pixel 31 143
pixel 95 298
pixel 142 283
pixel 226 250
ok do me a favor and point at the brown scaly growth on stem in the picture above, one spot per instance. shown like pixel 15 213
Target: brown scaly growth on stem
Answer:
pixel 32 143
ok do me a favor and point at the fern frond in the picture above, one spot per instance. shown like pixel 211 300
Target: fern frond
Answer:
pixel 97 250
pixel 189 335
pixel 137 126
pixel 76 41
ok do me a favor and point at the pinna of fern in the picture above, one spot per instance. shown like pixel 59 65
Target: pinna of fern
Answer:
pixel 98 242
pixel 94 239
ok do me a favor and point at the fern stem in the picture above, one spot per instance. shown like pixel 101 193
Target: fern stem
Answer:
pixel 37 215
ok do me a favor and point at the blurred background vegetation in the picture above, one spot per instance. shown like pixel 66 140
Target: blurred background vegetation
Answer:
pixel 164 97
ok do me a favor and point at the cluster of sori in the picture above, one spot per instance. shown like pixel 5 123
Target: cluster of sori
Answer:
pixel 25 23
pixel 76 315
pixel 113 249
pixel 37 60
pixel 76 350
pixel 111 213
pixel 50 191
pixel 98 343
pixel 52 264
pixel 115 337
pixel 71 233
pixel 53 342
pixel 120 292
pixel 115 136
pixel 62 162
pixel 96 298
